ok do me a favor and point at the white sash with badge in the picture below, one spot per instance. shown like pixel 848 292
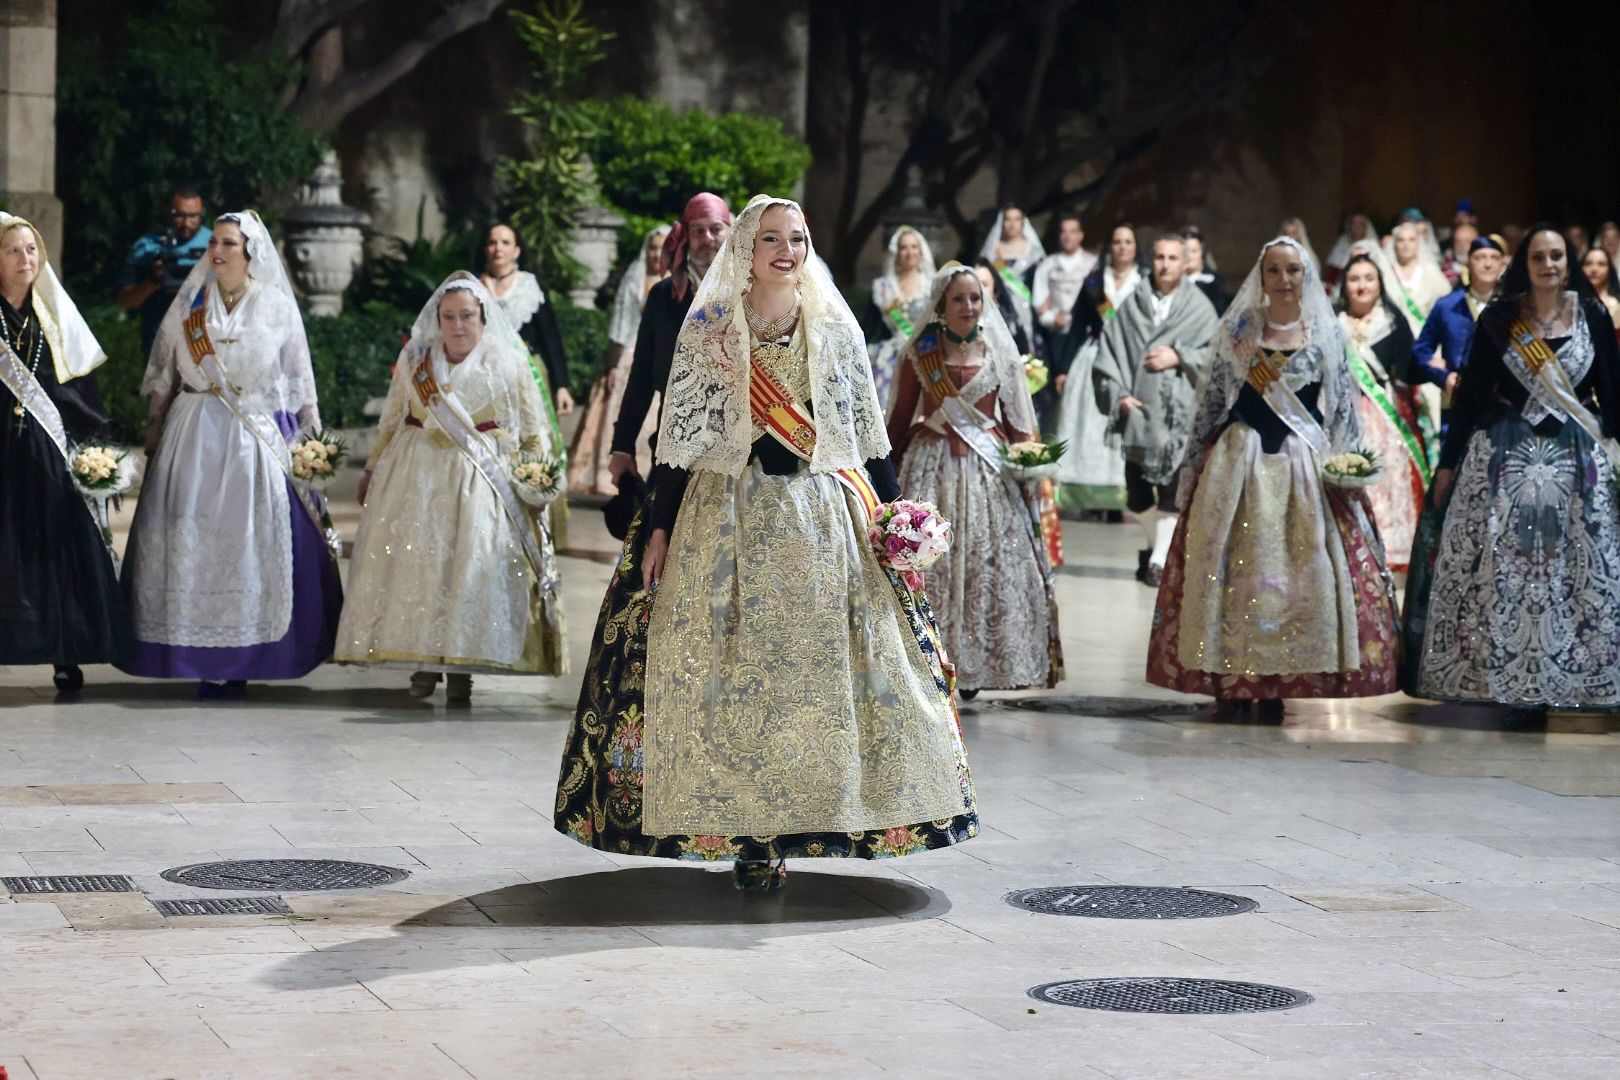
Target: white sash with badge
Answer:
pixel 463 431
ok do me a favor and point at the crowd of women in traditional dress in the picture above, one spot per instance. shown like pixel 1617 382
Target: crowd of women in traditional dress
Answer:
pixel 1296 433
pixel 231 568
pixel 1446 414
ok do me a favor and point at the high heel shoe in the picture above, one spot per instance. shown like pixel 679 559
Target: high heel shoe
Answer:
pixel 757 876
pixel 422 683
pixel 68 678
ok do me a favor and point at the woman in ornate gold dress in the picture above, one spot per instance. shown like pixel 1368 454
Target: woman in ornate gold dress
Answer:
pixel 773 691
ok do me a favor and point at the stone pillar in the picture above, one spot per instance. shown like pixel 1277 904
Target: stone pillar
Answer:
pixel 596 244
pixel 324 239
pixel 28 117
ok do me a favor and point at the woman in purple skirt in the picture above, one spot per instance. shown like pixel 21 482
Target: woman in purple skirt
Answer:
pixel 228 570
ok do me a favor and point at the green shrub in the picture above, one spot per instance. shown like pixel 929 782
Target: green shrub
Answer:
pixel 547 188
pixel 170 95
pixel 585 339
pixel 353 356
pixel 650 159
pixel 406 276
pixel 120 377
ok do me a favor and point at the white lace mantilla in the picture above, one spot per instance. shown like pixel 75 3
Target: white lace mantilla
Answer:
pixel 522 300
pixel 1576 356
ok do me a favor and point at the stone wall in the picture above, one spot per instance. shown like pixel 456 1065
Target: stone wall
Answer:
pixel 28 116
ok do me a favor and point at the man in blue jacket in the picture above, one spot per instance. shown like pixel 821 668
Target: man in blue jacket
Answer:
pixel 1442 346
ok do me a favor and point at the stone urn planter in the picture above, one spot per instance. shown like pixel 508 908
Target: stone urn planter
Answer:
pixel 324 239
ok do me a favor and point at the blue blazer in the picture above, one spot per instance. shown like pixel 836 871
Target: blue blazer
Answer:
pixel 1449 328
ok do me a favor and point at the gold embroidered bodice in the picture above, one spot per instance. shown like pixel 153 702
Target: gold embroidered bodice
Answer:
pixel 787 364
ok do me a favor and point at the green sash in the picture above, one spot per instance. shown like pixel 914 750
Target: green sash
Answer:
pixel 896 313
pixel 1379 396
pixel 1014 282
pixel 1412 305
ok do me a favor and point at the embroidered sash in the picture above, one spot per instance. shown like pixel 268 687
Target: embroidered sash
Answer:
pixel 1554 386
pixel 1265 375
pixel 32 397
pixel 1013 281
pixel 965 421
pixel 461 430
pixel 201 348
pixel 1361 366
pixel 789 423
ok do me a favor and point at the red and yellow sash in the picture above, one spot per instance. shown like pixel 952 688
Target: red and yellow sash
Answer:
pixel 774 409
pixel 1535 350
pixel 198 342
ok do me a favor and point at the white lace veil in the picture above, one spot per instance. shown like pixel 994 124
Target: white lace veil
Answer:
pixel 500 351
pixel 1236 342
pixel 295 387
pixel 1001 352
pixel 891 262
pixel 1036 251
pixel 74 349
pixel 707 424
pixel 632 294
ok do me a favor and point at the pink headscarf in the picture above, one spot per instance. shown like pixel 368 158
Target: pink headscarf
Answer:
pixel 705 204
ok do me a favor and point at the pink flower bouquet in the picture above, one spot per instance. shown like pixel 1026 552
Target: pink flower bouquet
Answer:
pixel 908 537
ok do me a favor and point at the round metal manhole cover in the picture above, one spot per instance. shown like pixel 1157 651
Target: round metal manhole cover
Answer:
pixel 1174 996
pixel 1130 902
pixel 1104 706
pixel 285 875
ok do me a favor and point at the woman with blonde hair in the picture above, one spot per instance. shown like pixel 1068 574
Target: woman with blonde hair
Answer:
pixel 61 605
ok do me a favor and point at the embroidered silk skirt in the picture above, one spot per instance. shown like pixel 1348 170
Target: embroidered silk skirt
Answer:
pixel 1524 604
pixel 780 697
pixel 992 592
pixel 1273 587
pixel 438 580
pixel 1397 497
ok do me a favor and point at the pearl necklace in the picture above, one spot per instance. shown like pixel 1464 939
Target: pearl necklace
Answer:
pixel 774 330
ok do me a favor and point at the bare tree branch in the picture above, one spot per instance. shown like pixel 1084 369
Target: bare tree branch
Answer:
pixel 298 22
pixel 325 108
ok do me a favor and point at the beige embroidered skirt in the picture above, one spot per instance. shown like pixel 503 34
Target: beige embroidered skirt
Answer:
pixel 785 690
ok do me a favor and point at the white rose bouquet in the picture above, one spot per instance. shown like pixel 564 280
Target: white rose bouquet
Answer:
pixel 102 470
pixel 1353 469
pixel 316 458
pixel 538 480
pixel 1032 460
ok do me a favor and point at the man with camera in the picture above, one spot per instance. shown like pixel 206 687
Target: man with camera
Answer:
pixel 159 262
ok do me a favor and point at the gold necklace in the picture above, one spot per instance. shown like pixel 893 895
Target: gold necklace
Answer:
pixel 775 329
pixel 233 296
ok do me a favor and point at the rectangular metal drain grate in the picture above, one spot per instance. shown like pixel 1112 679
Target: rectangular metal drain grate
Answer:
pixel 69 883
pixel 230 905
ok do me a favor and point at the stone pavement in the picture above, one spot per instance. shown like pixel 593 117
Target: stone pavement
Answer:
pixel 1449 893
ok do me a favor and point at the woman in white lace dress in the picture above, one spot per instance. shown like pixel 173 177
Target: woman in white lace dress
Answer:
pixel 959 397
pixel 1524 604
pixel 228 569
pixel 451 571
pixel 899 304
